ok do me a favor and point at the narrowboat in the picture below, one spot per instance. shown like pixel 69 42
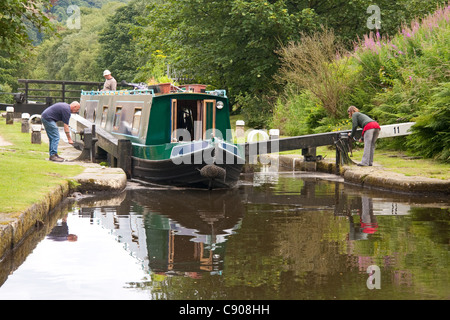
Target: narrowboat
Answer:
pixel 180 135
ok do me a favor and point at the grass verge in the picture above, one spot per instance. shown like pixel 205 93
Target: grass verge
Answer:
pixel 26 175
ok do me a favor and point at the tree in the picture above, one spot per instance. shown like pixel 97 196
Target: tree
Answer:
pixel 117 50
pixel 15 17
pixel 227 44
pixel 72 55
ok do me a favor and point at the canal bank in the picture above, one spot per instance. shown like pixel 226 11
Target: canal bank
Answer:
pixel 16 226
pixel 375 176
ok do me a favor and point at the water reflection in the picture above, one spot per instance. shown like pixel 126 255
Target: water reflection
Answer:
pixel 179 232
pixel 368 224
pixel 278 236
pixel 60 232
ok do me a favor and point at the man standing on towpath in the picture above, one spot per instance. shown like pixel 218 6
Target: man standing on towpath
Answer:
pixel 60 111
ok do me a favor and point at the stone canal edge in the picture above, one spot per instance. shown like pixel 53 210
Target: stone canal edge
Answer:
pixel 376 177
pixel 96 178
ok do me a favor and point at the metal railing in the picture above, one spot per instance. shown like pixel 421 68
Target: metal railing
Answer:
pixel 64 93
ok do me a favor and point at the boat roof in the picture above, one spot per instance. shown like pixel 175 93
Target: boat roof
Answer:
pixel 160 89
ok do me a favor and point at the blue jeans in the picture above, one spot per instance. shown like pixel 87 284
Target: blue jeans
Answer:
pixel 53 135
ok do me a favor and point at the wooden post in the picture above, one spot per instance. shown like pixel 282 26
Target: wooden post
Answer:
pixel 63 91
pixel 9 115
pixel 338 161
pixel 36 134
pixel 25 123
pixel 26 91
pixel 124 149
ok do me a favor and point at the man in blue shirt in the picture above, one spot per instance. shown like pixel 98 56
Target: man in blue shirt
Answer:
pixel 60 111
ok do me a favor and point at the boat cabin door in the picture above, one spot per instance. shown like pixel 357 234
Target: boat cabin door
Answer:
pixel 209 119
pixel 196 118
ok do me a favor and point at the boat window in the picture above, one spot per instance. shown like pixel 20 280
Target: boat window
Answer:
pixel 117 118
pixel 104 117
pixel 89 115
pixel 136 121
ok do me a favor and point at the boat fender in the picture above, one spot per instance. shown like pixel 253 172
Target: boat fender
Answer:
pixel 212 171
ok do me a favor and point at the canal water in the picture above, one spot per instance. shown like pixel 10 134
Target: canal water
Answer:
pixel 277 236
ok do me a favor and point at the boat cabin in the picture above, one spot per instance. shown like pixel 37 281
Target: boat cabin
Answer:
pixel 183 114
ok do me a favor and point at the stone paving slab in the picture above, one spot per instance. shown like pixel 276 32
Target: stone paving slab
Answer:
pixel 95 178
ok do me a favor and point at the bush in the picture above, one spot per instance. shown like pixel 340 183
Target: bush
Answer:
pixel 255 109
pixel 295 114
pixel 431 136
pixel 405 78
pixel 311 64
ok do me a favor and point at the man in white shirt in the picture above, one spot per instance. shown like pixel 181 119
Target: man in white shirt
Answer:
pixel 110 83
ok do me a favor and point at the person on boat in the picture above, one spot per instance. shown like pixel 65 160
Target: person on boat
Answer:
pixel 110 83
pixel 60 111
pixel 371 131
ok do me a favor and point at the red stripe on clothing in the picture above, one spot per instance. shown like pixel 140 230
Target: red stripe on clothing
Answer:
pixel 371 125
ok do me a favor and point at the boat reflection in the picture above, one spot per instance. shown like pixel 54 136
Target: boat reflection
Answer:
pixel 185 232
pixel 180 232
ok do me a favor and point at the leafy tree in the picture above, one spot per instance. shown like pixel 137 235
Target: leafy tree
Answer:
pixel 72 55
pixel 15 17
pixel 228 44
pixel 117 49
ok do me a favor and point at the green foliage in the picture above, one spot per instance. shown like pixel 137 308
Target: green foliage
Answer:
pixel 59 7
pixel 117 51
pixel 311 64
pixel 295 114
pixel 393 80
pixel 72 54
pixel 227 44
pixel 17 17
pixel 3 97
pixel 431 132
pixel 256 110
pixel 13 26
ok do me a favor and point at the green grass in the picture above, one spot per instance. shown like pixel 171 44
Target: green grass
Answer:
pixel 26 174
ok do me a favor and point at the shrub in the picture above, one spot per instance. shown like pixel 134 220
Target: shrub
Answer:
pixel 295 113
pixel 311 64
pixel 431 136
pixel 256 109
pixel 404 78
